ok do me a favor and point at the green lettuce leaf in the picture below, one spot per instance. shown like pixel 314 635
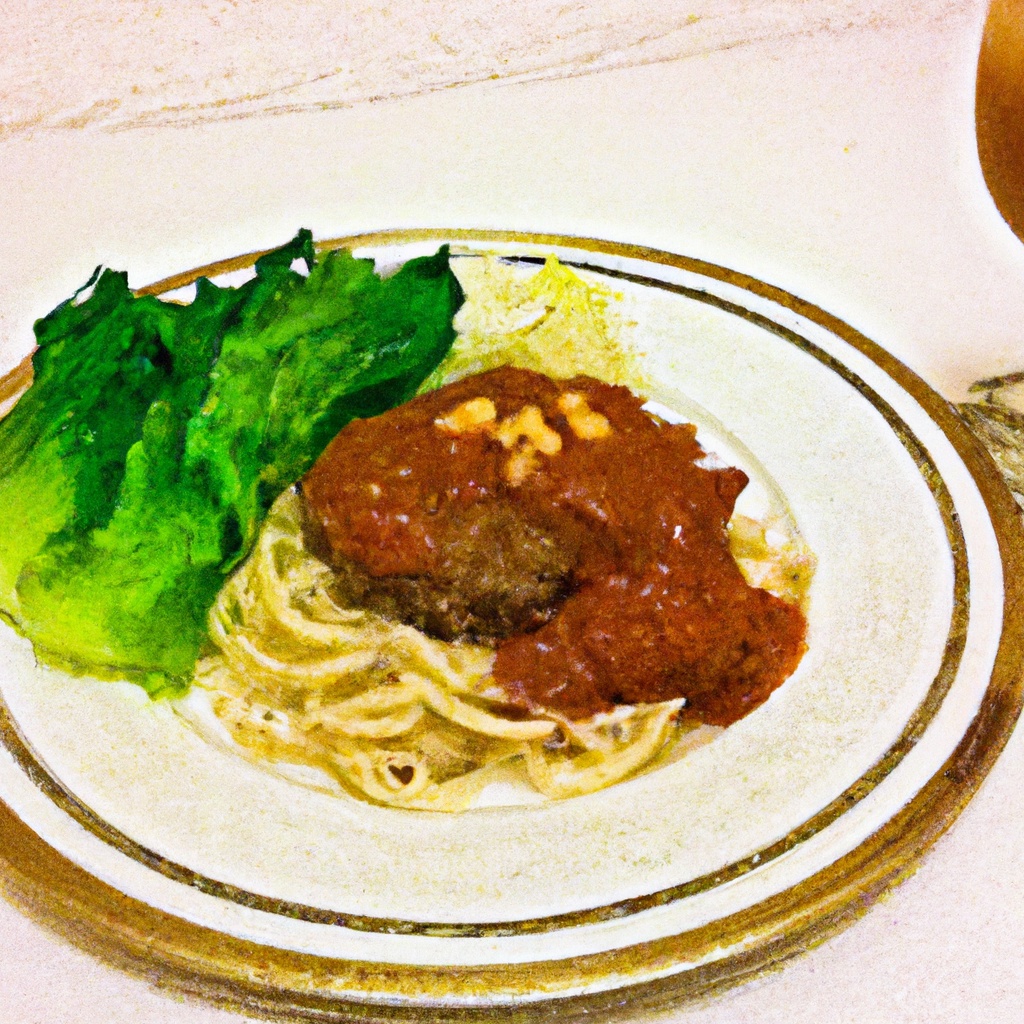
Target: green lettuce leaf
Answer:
pixel 135 472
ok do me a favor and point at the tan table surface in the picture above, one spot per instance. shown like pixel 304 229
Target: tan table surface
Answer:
pixel 825 147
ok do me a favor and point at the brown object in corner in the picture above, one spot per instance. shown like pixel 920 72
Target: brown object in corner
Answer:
pixel 999 109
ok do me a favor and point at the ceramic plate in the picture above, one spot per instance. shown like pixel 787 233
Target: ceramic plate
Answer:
pixel 155 848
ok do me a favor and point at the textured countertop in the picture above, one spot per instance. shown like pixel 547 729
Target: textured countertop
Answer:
pixel 824 146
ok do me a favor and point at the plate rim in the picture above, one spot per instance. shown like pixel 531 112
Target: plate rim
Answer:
pixel 247 975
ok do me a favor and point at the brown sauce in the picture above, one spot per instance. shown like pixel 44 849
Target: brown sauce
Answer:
pixel 562 523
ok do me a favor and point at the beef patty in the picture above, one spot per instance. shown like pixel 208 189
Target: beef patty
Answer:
pixel 498 574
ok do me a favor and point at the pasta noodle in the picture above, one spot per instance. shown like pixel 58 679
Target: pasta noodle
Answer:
pixel 393 715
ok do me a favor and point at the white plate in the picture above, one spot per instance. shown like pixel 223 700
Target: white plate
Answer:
pixel 192 862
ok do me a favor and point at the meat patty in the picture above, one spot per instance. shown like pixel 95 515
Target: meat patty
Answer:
pixel 413 511
pixel 498 575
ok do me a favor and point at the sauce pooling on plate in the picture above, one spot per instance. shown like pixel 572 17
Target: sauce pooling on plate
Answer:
pixel 560 522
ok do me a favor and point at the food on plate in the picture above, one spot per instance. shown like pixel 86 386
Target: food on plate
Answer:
pixel 406 546
pixel 511 576
pixel 136 470
pixel 566 523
